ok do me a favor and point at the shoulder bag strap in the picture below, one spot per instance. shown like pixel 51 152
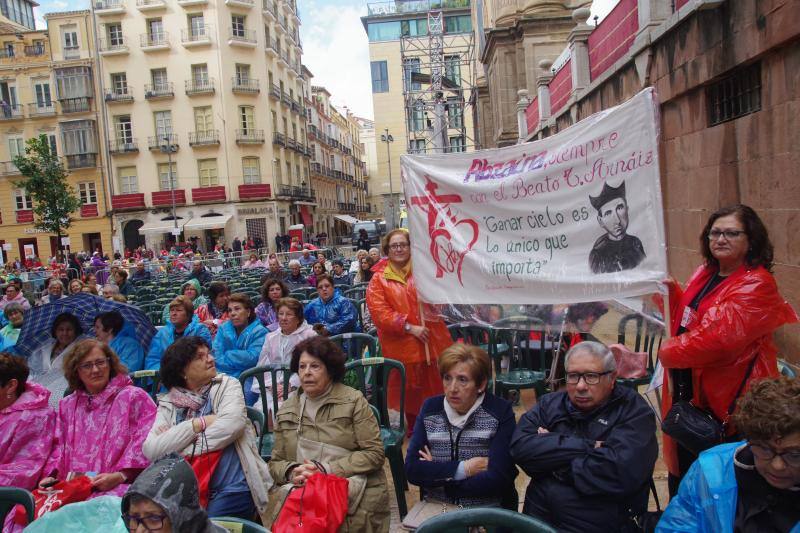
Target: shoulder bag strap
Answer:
pixel 732 407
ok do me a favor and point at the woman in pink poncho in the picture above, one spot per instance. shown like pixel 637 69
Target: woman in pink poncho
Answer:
pixel 100 426
pixel 27 428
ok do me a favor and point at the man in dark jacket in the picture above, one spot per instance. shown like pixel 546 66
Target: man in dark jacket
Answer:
pixel 590 450
pixel 200 273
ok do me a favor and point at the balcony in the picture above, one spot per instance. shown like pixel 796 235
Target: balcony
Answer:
pixel 204 138
pixel 278 138
pixel 126 202
pixel 199 87
pixel 268 8
pixel 81 161
pixel 297 193
pixel 24 216
pixel 71 52
pixel 195 37
pixel 271 47
pixel 119 96
pixel 8 168
pixel 283 58
pixel 247 4
pixel 154 143
pixel 155 91
pixel 103 8
pixel 417 6
pixel 89 211
pixel 286 100
pixel 275 92
pixel 254 191
pixel 316 168
pixel 113 47
pixel 82 104
pixel 189 3
pixel 11 112
pixel 208 194
pixel 41 109
pixel 164 198
pixel 154 42
pixel 35 50
pixel 245 85
pixel 242 37
pixel 347 207
pixel 123 146
pixel 150 5
pixel 249 136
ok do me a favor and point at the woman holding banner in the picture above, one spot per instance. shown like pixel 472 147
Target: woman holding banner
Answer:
pixel 722 325
pixel 403 332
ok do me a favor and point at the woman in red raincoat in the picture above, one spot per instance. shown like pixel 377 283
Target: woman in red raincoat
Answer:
pixel 722 322
pixel 403 334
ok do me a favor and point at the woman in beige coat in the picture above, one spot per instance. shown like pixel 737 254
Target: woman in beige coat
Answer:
pixel 205 412
pixel 340 418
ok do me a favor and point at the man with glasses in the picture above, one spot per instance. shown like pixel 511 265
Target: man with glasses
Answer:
pixel 590 450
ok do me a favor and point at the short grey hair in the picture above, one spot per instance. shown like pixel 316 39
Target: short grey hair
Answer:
pixel 111 288
pixel 13 307
pixel 595 349
pixel 294 262
pixel 373 249
pixel 55 282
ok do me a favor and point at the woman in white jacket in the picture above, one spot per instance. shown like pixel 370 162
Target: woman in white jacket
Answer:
pixel 279 345
pixel 205 412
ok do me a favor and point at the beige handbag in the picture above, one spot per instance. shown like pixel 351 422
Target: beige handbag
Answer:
pixel 425 509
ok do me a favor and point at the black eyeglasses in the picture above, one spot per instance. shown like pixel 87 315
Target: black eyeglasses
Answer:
pixel 100 364
pixel 765 453
pixel 153 522
pixel 729 234
pixel 591 378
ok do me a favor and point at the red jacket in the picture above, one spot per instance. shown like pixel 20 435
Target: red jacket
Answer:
pixel 735 322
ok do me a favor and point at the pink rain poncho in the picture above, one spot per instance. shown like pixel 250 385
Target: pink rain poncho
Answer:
pixel 102 433
pixel 27 436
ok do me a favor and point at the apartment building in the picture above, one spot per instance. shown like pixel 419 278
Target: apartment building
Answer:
pixel 398 33
pixel 203 105
pixel 337 166
pixel 47 88
pixel 17 15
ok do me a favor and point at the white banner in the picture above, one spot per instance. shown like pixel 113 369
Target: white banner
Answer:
pixel 574 217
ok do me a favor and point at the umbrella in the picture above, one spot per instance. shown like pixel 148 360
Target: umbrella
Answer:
pixel 39 320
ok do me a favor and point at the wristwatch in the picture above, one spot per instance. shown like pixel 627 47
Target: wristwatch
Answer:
pixel 407 327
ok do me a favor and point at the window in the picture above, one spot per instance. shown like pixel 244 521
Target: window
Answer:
pixel 457 144
pixel 200 75
pixel 459 24
pixel 114 32
pixel 452 68
pixel 119 83
pixel 247 118
pixel 87 192
pixel 74 82
pixel 22 199
pixel 237 25
pixel 123 129
pixel 78 137
pixel 70 37
pixel 163 123
pixel 164 176
pixel 416 146
pixel 16 147
pixel 51 139
pixel 42 92
pixel 251 170
pixel 197 26
pixel 380 77
pixel 384 31
pixel 8 92
pixel 159 78
pixel 289 171
pixel 8 49
pixel 203 119
pixel 128 184
pixel 734 96
pixel 409 67
pixel 416 118
pixel 414 28
pixel 155 30
pixel 207 172
pixel 242 74
pixel 455 113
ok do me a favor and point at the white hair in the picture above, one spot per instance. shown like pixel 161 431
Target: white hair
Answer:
pixel 373 249
pixel 294 262
pixel 595 349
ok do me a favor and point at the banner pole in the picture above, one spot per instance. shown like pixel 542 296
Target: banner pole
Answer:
pixel 422 320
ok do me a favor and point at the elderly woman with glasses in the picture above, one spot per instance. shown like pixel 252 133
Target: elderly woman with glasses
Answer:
pixel 46 361
pixel 722 325
pixel 754 485
pixel 101 426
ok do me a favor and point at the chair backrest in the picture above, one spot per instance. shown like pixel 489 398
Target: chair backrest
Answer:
pixel 372 379
pixel 149 380
pixel 13 496
pixel 484 516
pixel 356 293
pixel 785 369
pixel 526 352
pixel 238 524
pixel 258 420
pixel 473 334
pixel 353 344
pixel 648 336
pixel 359 305
pixel 258 374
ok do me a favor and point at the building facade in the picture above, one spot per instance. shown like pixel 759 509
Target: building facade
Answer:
pixel 401 93
pixel 203 102
pixel 47 86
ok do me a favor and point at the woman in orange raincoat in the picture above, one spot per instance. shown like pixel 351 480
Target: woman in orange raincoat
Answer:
pixel 722 322
pixel 403 334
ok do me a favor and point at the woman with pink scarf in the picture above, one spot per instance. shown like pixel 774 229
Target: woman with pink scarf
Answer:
pixel 14 295
pixel 102 425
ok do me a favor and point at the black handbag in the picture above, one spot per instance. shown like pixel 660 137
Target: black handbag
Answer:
pixel 697 429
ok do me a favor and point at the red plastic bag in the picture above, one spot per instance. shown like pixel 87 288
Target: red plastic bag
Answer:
pixel 630 364
pixel 204 466
pixel 319 506
pixel 57 496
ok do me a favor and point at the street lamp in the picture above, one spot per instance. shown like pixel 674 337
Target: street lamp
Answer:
pixel 387 138
pixel 168 148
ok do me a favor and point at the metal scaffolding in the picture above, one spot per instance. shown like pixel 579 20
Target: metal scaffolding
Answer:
pixel 439 90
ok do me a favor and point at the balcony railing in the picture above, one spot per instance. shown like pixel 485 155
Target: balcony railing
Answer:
pixel 41 109
pixel 10 111
pixel 275 91
pixel 154 40
pixel 117 45
pixel 203 138
pixel 347 207
pixel 268 6
pixel 35 50
pixel 196 35
pixel 123 146
pixel 286 99
pixel 271 47
pixel 297 193
pixel 145 5
pixel 195 87
pixel 109 5
pixel 81 161
pixel 159 90
pixel 8 168
pixel 119 95
pixel 241 3
pixel 249 136
pixel 245 85
pixel 76 105
pixel 242 36
pixel 278 138
pixel 414 6
pixel 72 52
pixel 155 143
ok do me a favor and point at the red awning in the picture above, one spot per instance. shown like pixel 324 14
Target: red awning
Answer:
pixel 308 221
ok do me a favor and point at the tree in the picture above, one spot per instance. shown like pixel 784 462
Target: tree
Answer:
pixel 45 179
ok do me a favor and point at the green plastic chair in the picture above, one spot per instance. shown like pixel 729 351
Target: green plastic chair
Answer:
pixel 359 305
pixel 149 380
pixel 238 525
pixel 13 496
pixel 356 293
pixel 266 438
pixel 258 420
pixel 648 339
pixel 354 344
pixel 377 394
pixel 475 335
pixel 486 517
pixel 528 359
pixel 785 369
